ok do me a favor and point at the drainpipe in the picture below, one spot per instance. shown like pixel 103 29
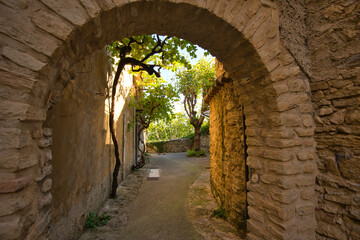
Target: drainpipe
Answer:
pixel 247 170
pixel 135 139
pixel 124 146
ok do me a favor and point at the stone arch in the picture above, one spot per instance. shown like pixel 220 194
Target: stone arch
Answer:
pixel 44 38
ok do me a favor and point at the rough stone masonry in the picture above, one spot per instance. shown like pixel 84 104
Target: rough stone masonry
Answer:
pixel 293 67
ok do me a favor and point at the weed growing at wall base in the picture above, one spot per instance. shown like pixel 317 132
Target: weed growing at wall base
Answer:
pixel 94 221
pixel 219 213
pixel 193 153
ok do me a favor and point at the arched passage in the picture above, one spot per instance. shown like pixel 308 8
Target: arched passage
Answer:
pixel 243 35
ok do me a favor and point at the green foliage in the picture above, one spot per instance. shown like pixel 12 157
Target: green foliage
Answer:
pixel 205 128
pixel 198 79
pixel 193 153
pixel 94 221
pixel 193 84
pixel 154 100
pixel 219 213
pixel 167 56
pixel 157 145
pixel 177 127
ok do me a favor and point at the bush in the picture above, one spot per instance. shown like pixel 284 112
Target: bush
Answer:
pixel 219 213
pixel 193 153
pixel 158 146
pixel 94 221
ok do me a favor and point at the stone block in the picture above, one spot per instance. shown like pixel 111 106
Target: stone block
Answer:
pixel 12 110
pixel 91 7
pixel 13 185
pixel 45 171
pixel 304 132
pixel 256 214
pixel 310 167
pixel 10 227
pixel 308 120
pixel 305 209
pixel 283 143
pixel 286 212
pixel 285 72
pixel 273 154
pixel 306 108
pixel 46 186
pixel 10 138
pixel 11 203
pixel 338 117
pixel 353 117
pixel 338 198
pixel 48 132
pixel 23 59
pixel 284 182
pixel 331 165
pixel 333 231
pixel 285 168
pixel 319 85
pixel 296 84
pixel 39 226
pixel 254 162
pixel 256 227
pixel 284 196
pixel 37 133
pixel 45 200
pixel 305 180
pixel 288 101
pixel 109 4
pixel 45 142
pixel 324 111
pixel 305 154
pixel 307 194
pixel 51 24
pixel 355 212
pixel 281 87
pixel 22 83
pixel 44 157
pixel 331 207
pixel 70 10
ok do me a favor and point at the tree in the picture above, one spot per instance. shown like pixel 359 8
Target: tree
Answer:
pixel 145 53
pixel 193 84
pixel 153 100
pixel 163 130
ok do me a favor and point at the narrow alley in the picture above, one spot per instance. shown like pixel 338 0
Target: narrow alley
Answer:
pixel 152 208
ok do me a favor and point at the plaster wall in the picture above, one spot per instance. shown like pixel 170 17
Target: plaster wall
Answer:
pixel 82 149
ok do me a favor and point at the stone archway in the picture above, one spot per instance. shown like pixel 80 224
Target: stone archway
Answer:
pixel 42 39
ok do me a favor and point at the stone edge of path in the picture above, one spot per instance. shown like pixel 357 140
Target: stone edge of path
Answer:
pixel 200 204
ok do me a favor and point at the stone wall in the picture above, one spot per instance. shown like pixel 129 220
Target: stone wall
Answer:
pixel 263 48
pixel 82 151
pixel 334 51
pixel 227 155
pixel 179 145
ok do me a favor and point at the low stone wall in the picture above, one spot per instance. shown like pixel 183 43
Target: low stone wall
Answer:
pixel 178 145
